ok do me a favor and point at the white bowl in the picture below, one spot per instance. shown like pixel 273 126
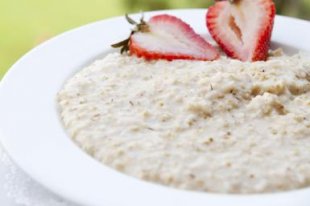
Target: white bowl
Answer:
pixel 35 139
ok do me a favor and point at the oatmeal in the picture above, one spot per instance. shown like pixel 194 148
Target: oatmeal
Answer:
pixel 224 126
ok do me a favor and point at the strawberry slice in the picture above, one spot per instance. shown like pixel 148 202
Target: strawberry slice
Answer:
pixel 242 28
pixel 166 37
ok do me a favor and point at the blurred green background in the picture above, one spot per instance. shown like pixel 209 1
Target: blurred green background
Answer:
pixel 26 23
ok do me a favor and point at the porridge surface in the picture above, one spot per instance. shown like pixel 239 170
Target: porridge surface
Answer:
pixel 224 126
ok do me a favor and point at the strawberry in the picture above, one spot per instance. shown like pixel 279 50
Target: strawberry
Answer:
pixel 166 37
pixel 242 28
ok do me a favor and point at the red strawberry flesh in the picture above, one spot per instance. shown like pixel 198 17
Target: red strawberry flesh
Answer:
pixel 170 38
pixel 243 28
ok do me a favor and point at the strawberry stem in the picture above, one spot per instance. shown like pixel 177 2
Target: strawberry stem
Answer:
pixel 142 26
pixel 230 1
pixel 130 20
pixel 120 44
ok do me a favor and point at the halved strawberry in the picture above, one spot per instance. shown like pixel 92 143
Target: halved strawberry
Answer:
pixel 166 37
pixel 242 28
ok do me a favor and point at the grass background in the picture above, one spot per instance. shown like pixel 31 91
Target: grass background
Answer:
pixel 26 23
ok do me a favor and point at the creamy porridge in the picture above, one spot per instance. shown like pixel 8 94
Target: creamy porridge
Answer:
pixel 224 126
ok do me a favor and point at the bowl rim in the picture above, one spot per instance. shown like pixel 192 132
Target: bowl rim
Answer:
pixel 26 155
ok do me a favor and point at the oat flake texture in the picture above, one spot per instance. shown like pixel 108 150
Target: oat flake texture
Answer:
pixel 224 126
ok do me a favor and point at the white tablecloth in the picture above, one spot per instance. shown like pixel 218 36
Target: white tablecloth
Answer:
pixel 17 189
